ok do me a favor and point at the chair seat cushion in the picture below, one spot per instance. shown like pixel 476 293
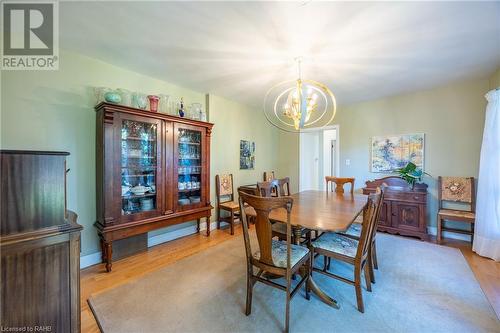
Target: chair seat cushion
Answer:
pixel 336 243
pixel 297 252
pixel 354 230
pixel 456 213
pixel 229 205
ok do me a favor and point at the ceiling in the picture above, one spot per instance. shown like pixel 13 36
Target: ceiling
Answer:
pixel 361 50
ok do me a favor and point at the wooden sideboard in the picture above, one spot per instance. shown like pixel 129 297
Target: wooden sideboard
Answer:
pixel 404 209
pixel 153 171
pixel 40 245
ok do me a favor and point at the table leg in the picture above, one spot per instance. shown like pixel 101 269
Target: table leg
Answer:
pixel 297 232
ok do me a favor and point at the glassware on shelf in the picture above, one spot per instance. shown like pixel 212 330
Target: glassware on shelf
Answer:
pixel 153 103
pixel 139 100
pixel 138 154
pixel 163 108
pixel 99 93
pixel 126 96
pixel 195 111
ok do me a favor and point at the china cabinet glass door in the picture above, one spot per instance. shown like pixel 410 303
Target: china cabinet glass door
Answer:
pixel 140 161
pixel 189 165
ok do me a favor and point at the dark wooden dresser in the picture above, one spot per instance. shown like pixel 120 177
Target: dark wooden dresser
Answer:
pixel 404 209
pixel 40 245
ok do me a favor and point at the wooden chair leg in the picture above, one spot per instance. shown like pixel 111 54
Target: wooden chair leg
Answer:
pixel 368 277
pixel 287 311
pixel 325 263
pixel 218 218
pixel 329 262
pixel 232 222
pixel 357 286
pixel 370 269
pixel 248 309
pixel 374 255
pixel 439 225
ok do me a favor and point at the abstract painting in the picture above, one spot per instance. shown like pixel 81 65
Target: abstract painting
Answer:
pixel 247 155
pixel 395 151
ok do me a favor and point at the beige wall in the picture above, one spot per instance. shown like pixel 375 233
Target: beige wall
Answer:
pixel 288 158
pixel 452 118
pixel 53 110
pixel 495 79
pixel 235 122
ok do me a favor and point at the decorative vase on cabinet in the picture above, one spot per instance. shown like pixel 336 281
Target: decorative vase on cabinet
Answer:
pixel 142 159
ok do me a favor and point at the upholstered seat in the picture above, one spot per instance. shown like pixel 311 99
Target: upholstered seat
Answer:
pixel 337 243
pixel 229 205
pixel 354 230
pixel 450 213
pixel 297 252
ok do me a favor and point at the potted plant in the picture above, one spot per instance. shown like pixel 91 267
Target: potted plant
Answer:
pixel 411 174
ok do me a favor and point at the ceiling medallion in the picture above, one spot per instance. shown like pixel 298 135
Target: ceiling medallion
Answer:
pixel 299 104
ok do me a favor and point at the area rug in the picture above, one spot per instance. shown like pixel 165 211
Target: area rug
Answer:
pixel 420 287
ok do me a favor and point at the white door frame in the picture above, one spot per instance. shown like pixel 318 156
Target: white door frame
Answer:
pixel 337 145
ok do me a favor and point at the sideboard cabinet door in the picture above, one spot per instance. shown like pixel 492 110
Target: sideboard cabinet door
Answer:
pixel 138 180
pixel 406 216
pixel 385 214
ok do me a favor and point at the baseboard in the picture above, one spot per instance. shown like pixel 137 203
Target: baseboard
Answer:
pixel 168 236
pixel 446 234
pixel 95 258
pixel 90 259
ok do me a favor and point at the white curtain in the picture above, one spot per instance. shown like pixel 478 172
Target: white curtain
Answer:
pixel 487 228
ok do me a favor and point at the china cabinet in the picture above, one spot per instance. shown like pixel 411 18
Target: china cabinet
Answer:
pixel 152 172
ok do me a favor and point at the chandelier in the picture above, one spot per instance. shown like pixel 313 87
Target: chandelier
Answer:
pixel 299 104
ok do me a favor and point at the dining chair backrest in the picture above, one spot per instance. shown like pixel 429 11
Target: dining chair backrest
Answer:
pixel 370 215
pixel 284 187
pixel 224 188
pixel 339 183
pixel 263 206
pixel 456 189
pixel 268 176
pixel 268 189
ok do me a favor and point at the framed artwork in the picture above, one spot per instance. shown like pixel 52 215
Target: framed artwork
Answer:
pixel 391 152
pixel 247 155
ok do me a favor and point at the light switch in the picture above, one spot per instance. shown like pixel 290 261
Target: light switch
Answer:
pixel 347 162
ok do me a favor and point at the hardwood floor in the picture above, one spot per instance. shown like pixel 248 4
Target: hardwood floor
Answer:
pixel 95 279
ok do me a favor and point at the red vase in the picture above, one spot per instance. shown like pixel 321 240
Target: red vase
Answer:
pixel 153 103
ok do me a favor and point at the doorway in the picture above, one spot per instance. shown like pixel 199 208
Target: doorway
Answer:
pixel 318 156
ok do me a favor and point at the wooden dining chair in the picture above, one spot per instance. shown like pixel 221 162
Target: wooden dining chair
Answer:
pixel 354 231
pixel 224 192
pixel 339 183
pixel 268 176
pixel 458 190
pixel 284 187
pixel 280 188
pixel 275 257
pixel 349 250
pixel 268 189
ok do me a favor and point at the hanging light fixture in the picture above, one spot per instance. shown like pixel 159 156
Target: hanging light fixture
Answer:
pixel 299 104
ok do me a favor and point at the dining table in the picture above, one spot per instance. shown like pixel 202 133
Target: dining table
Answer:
pixel 322 211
